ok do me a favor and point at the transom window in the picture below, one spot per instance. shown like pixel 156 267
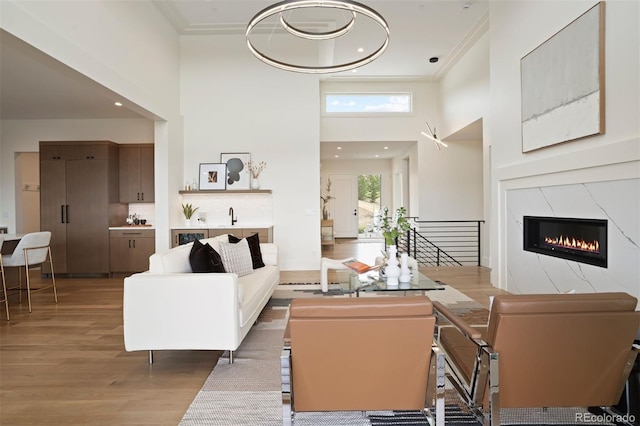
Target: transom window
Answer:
pixel 367 103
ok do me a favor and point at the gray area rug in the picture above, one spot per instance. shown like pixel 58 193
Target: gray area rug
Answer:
pixel 247 392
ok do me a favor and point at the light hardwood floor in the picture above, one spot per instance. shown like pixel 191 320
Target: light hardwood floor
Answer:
pixel 66 364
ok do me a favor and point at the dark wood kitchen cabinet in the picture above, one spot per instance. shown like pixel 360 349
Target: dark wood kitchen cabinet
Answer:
pixel 130 249
pixel 136 173
pixel 78 203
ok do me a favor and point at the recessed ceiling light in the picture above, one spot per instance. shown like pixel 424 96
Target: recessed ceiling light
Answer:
pixel 336 156
pixel 377 156
pixel 118 103
pixel 339 147
pixel 360 50
pixel 386 147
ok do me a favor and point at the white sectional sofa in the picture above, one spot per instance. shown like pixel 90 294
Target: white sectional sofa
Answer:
pixel 171 308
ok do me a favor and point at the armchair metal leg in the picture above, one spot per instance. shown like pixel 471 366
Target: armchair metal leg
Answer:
pixel 494 390
pixel 285 373
pixel 150 357
pixel 435 403
pixel 440 378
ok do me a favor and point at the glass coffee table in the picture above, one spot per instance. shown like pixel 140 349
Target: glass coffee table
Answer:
pixel 353 283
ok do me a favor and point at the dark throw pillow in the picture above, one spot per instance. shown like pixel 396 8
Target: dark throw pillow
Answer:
pixel 204 259
pixel 254 248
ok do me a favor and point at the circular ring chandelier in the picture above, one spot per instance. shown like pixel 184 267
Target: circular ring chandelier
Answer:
pixel 288 5
pixel 318 36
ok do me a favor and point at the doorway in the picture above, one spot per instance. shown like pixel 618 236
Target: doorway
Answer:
pixel 369 191
pixel 344 211
pixel 356 200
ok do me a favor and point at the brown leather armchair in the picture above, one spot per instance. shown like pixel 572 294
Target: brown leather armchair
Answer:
pixel 543 350
pixel 359 354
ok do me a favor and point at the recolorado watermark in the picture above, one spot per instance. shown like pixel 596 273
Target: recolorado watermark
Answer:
pixel 605 418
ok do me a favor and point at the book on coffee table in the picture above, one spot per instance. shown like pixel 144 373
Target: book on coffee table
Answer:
pixel 361 267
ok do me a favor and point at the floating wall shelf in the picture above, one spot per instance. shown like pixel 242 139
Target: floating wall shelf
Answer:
pixel 229 191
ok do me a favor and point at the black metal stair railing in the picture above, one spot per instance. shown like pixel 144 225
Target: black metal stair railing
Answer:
pixel 443 243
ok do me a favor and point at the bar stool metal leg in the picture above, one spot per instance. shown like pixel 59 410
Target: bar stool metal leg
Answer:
pixel 4 289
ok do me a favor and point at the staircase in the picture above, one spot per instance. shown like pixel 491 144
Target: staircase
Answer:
pixel 443 243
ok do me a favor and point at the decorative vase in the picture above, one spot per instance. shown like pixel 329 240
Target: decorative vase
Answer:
pixel 325 213
pixel 392 270
pixel 255 183
pixel 405 272
pixel 187 223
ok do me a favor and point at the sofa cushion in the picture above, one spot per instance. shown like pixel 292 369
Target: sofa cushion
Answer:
pixel 215 241
pixel 203 258
pixel 173 261
pixel 255 288
pixel 236 258
pixel 254 248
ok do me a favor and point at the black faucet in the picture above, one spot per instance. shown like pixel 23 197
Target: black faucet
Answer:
pixel 233 221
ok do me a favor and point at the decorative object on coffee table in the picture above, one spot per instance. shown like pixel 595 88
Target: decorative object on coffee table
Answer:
pixel 405 272
pixel 391 230
pixel 392 270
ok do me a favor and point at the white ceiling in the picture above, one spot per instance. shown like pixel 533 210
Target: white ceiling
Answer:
pixel 371 150
pixel 36 86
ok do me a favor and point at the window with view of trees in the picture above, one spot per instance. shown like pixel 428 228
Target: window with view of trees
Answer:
pixel 368 200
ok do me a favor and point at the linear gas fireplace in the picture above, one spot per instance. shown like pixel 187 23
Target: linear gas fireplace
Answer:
pixel 581 240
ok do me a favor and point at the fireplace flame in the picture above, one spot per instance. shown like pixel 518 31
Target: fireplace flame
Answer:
pixel 573 243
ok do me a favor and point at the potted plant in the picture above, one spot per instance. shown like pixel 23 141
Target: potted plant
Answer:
pixel 391 230
pixel 325 200
pixel 188 210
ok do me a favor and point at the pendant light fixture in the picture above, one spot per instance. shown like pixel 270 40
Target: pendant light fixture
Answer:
pixel 356 12
pixel 432 135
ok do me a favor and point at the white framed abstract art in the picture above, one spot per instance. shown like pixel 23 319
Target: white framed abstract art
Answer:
pixel 562 84
pixel 237 176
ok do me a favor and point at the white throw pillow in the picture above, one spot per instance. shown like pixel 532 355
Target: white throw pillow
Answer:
pixel 236 258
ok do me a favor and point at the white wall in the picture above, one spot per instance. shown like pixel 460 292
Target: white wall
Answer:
pixel 25 135
pixel 516 29
pixel 234 103
pixel 344 128
pixel 127 47
pixel 464 99
pixel 447 183
pixel 451 182
pixel 464 90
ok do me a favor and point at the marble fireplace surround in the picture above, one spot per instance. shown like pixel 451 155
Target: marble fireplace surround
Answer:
pixel 617 201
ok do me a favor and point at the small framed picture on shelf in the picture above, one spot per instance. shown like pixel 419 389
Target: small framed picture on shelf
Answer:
pixel 238 176
pixel 213 176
